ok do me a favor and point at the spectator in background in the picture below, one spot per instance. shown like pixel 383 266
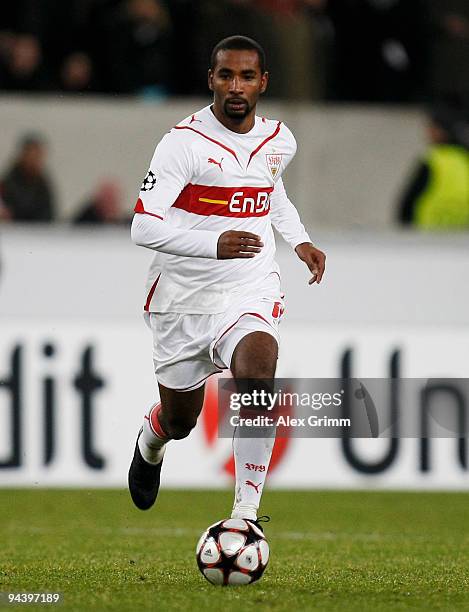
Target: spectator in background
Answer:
pixel 322 33
pixel 449 61
pixel 104 207
pixel 26 189
pixel 22 68
pixel 437 196
pixel 302 32
pixel 76 74
pixel 136 47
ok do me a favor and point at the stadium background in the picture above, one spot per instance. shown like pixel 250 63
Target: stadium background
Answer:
pixel 75 355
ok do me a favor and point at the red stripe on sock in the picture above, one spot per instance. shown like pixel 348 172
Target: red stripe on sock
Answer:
pixel 155 423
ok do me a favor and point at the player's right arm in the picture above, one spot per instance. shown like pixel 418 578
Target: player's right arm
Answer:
pixel 171 169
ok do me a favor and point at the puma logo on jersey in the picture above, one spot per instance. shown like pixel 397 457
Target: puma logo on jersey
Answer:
pixel 214 161
pixel 255 486
pixel 193 118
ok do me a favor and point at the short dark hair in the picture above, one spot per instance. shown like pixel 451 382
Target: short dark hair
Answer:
pixel 32 139
pixel 238 43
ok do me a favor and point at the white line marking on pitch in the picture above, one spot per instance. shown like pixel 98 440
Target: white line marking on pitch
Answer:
pixel 184 532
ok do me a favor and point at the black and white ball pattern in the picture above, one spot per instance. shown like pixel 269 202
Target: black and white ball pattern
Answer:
pixel 149 181
pixel 232 552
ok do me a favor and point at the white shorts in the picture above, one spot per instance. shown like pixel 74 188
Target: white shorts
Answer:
pixel 188 348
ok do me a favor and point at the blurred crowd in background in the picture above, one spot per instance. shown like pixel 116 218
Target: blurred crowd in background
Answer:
pixel 27 191
pixel 366 51
pixel 351 50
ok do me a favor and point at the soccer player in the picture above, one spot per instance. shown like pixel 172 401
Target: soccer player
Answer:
pixel 207 206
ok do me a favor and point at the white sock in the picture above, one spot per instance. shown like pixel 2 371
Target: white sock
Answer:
pixel 252 458
pixel 152 440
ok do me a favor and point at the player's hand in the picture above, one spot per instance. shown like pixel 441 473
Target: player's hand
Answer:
pixel 234 245
pixel 314 259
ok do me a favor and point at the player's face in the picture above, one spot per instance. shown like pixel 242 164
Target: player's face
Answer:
pixel 237 82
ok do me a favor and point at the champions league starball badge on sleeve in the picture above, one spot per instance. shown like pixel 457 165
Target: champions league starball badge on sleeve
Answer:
pixel 149 181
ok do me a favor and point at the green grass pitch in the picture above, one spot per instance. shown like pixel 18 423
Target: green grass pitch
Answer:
pixel 329 551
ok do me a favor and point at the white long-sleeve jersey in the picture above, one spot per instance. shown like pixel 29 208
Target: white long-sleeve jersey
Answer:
pixel 203 180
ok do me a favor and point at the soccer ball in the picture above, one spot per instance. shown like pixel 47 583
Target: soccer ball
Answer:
pixel 232 552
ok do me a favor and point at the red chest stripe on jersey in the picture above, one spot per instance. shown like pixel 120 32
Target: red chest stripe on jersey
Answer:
pixel 140 209
pixel 217 142
pixel 225 201
pixel 264 142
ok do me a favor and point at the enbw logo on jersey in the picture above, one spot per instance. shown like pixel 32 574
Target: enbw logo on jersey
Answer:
pixel 241 204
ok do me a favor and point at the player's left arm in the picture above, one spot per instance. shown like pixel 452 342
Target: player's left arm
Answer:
pixel 286 220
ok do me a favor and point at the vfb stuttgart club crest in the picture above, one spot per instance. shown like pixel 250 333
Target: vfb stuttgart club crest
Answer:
pixel 274 161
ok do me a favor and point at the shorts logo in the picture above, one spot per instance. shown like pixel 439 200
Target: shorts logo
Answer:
pixel 274 161
pixel 149 181
pixel 277 310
